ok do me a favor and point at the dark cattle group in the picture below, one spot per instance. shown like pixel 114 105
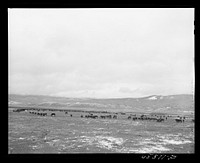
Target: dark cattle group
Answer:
pixel 101 116
pixel 108 116
pixel 157 118
pixel 42 114
pixel 134 117
pixel 180 119
pixel 91 116
pixel 37 113
pixel 145 117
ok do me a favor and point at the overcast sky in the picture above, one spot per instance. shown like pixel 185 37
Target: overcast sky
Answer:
pixel 101 53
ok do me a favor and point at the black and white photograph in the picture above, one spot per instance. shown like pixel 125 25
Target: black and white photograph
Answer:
pixel 101 80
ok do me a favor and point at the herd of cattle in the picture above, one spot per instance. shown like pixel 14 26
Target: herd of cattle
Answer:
pixel 152 117
pixel 37 113
pixel 156 118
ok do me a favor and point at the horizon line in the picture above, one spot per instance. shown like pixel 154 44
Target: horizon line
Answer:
pixel 98 97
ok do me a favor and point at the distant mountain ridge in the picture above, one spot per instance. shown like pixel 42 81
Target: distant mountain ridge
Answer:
pixel 155 103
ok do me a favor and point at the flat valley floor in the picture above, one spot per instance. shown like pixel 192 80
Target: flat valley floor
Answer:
pixel 63 133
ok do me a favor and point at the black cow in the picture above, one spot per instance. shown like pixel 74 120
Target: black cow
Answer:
pixel 160 120
pixel 102 116
pixel 114 117
pixel 109 116
pixel 93 116
pixel 44 114
pixel 53 114
pixel 135 118
pixel 179 120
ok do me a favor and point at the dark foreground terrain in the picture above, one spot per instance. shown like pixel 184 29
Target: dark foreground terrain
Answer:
pixel 33 131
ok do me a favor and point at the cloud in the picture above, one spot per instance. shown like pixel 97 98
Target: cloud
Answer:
pixel 101 52
pixel 127 90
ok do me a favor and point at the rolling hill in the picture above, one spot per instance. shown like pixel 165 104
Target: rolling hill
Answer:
pixel 183 103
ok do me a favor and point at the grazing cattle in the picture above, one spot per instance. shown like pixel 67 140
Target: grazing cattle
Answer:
pixel 70 115
pixel 81 116
pixel 95 116
pixel 114 117
pixel 179 120
pixel 66 112
pixel 109 116
pixel 44 114
pixel 135 118
pixel 91 116
pixel 106 116
pixel 160 120
pixel 53 114
pixel 102 116
pixel 129 117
